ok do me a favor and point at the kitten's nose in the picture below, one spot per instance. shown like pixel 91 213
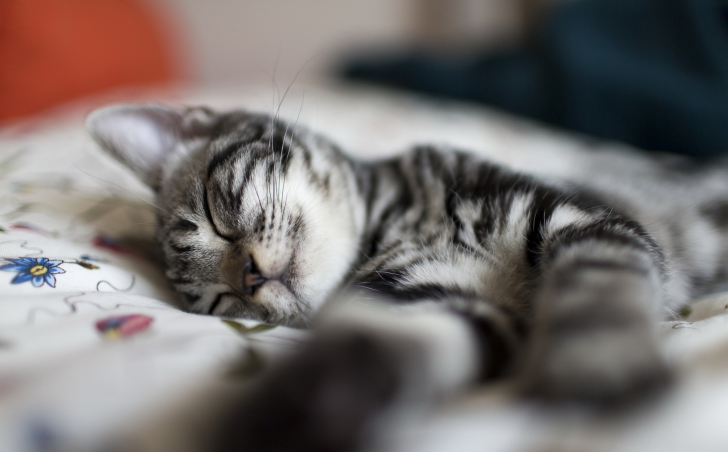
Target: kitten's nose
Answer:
pixel 252 277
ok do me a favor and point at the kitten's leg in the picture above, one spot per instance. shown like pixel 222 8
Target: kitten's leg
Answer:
pixel 365 366
pixel 596 311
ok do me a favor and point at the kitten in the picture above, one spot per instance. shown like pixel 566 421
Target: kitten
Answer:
pixel 452 270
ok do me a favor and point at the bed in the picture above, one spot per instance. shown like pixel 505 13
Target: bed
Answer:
pixel 94 354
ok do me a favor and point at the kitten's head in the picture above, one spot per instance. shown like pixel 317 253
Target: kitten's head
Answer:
pixel 258 218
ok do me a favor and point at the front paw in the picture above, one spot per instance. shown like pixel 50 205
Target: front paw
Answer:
pixel 322 400
pixel 608 367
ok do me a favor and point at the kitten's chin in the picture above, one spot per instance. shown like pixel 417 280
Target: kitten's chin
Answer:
pixel 273 303
pixel 282 304
pixel 298 322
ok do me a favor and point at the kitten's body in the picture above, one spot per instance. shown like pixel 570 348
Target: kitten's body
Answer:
pixel 559 281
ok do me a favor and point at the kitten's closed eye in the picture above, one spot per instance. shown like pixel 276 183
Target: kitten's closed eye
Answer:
pixel 183 225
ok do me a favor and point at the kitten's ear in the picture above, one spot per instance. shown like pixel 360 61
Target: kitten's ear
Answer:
pixel 143 136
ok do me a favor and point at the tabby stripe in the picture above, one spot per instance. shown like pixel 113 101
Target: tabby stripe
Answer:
pixel 598 314
pixel 608 265
pixel 655 250
pixel 223 195
pixel 496 351
pixel 251 134
pixel 395 206
pixel 382 281
pixel 316 179
pixel 427 291
pixel 243 186
pixel 573 235
pixel 405 199
pixel 222 157
pixel 487 181
pixel 717 213
pixel 368 189
pixel 180 280
pixel 307 158
pixel 285 155
pixel 208 215
pixel 390 283
pixel 484 227
pixel 619 231
pixel 420 185
pixel 215 303
pixel 271 173
pixel 451 203
pixel 277 138
pixel 296 226
pixel 543 206
pixel 206 208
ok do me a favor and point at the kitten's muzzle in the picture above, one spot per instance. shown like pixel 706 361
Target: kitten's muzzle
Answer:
pixel 243 274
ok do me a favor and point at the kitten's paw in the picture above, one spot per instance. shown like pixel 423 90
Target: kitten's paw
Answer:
pixel 322 400
pixel 603 366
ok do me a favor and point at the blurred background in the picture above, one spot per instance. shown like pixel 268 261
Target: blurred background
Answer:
pixel 231 40
pixel 55 50
pixel 652 73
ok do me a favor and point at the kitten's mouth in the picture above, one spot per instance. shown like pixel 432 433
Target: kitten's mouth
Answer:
pixel 270 293
pixel 242 273
pixel 281 304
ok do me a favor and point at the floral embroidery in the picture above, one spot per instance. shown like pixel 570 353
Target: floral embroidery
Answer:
pixel 122 326
pixel 26 226
pixel 38 271
pixel 245 330
pixel 110 243
pixel 87 265
pixel 87 257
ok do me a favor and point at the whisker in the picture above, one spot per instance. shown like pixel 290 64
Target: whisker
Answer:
pixel 277 92
pixel 122 188
pixel 300 108
pixel 290 85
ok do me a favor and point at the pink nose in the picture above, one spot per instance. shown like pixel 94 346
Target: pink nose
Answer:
pixel 252 277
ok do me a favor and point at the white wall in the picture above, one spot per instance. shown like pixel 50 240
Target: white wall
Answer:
pixel 239 40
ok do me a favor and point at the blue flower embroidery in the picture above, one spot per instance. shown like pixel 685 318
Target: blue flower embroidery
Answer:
pixel 36 270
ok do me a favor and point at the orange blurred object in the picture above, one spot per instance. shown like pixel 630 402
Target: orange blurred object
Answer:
pixel 52 51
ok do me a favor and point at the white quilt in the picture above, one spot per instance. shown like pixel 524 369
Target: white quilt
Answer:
pixel 91 351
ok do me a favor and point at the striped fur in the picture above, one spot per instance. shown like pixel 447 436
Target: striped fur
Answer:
pixel 557 281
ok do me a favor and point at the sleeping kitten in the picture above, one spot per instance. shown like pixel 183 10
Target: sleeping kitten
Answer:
pixel 451 270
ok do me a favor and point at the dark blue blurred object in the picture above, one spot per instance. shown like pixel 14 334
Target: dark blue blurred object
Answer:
pixel 653 73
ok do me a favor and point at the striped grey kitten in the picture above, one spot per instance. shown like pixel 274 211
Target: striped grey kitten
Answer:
pixel 451 270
